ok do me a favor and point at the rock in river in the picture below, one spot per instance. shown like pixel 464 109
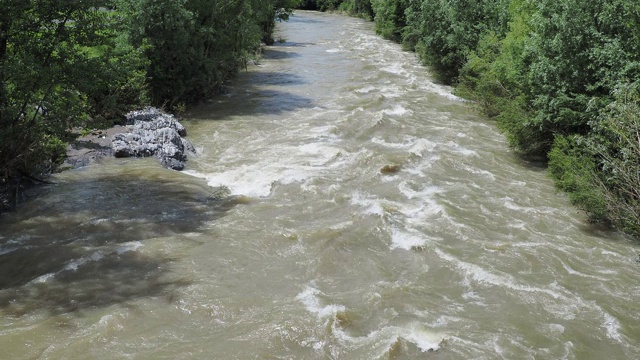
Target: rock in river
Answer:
pixel 155 133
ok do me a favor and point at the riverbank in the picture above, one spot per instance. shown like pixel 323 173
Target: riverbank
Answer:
pixel 93 147
pixel 147 132
pixel 86 150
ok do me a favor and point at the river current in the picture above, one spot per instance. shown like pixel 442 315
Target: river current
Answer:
pixel 342 205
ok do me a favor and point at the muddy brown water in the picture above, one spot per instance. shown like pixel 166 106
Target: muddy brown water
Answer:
pixel 342 205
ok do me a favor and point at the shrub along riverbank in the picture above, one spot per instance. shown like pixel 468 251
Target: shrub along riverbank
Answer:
pixel 69 64
pixel 561 78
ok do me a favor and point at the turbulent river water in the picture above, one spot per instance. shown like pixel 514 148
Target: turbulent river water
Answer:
pixel 342 205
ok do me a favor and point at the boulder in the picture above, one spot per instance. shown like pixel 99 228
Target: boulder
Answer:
pixel 155 133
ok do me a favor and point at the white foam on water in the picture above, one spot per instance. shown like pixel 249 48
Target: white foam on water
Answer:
pixel 571 271
pixel 373 206
pixel 128 246
pixel 483 276
pixel 405 240
pixel 98 221
pixel 612 326
pixel 607 252
pixel 427 208
pixel 109 322
pixel 365 90
pixel 398 110
pixel 14 244
pixel 510 204
pixel 426 193
pixel 104 321
pixel 317 154
pixel 334 50
pixel 43 278
pixel 421 146
pixel 7 249
pixel 440 90
pixel 380 141
pixel 461 150
pixel 381 341
pixel 285 166
pixel 425 339
pixel 389 92
pixel 312 302
pixel 485 173
pixel 395 69
pixel 245 180
pixel 556 329
pixel 73 265
pixel 327 132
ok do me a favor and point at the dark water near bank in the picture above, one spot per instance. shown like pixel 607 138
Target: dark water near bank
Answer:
pixel 342 205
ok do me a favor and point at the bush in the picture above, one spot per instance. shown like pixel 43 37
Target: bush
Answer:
pixel 601 171
pixel 574 170
pixel 446 32
pixel 615 144
pixel 359 8
pixel 390 18
pixel 60 67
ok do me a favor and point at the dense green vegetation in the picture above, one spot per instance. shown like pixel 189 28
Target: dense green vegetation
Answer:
pixel 561 77
pixel 361 8
pixel 66 64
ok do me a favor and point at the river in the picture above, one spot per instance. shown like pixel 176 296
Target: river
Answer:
pixel 342 205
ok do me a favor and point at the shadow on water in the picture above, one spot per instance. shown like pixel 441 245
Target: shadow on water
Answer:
pixel 252 102
pixel 85 243
pixel 258 92
pixel 306 20
pixel 533 164
pixel 277 78
pixel 273 53
pixel 295 44
pixel 255 93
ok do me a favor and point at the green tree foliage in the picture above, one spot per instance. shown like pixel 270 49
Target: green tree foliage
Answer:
pixel 272 11
pixel 615 144
pixel 601 171
pixel 69 63
pixel 360 8
pixel 557 83
pixel 447 31
pixel 554 73
pixel 495 77
pixel 60 66
pixel 194 46
pixel 575 172
pixel 390 18
pixel 320 5
pixel 554 68
pixel 578 52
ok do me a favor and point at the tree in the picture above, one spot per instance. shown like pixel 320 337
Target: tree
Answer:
pixel 447 31
pixel 54 58
pixel 601 171
pixel 52 55
pixel 194 46
pixel 577 54
pixel 271 11
pixel 390 18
